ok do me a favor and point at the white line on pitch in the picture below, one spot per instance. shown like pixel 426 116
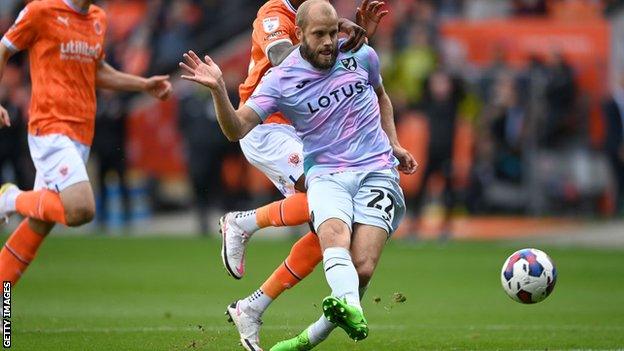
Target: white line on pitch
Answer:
pixel 174 329
pixel 53 330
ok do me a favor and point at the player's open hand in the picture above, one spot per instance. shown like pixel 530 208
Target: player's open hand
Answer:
pixel 5 121
pixel 369 14
pixel 206 73
pixel 357 35
pixel 407 163
pixel 159 87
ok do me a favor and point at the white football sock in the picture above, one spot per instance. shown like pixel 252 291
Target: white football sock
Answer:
pixel 256 303
pixel 246 220
pixel 341 275
pixel 320 330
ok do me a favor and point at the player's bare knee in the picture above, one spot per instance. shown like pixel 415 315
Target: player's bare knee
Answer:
pixel 79 215
pixel 365 269
pixel 79 204
pixel 334 233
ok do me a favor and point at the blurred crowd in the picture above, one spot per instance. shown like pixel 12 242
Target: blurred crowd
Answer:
pixel 529 151
pixel 495 138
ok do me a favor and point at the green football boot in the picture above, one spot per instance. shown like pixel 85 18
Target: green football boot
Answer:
pixel 300 342
pixel 347 317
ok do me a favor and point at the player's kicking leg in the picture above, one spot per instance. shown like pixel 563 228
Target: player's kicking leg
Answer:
pixel 372 224
pixel 366 253
pixel 332 209
pixel 63 195
pixel 343 279
pixel 366 247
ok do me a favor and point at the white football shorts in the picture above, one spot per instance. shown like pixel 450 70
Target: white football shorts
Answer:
pixel 371 198
pixel 277 151
pixel 59 161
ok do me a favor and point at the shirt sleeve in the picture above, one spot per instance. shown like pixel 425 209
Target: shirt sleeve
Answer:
pixel 374 68
pixel 24 31
pixel 264 100
pixel 272 28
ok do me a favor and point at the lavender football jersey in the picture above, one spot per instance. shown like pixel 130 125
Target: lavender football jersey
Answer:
pixel 335 112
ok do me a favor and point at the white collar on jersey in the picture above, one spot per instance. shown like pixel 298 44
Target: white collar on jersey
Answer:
pixel 73 6
pixel 290 6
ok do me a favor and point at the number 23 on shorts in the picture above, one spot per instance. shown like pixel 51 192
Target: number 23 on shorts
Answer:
pixel 382 201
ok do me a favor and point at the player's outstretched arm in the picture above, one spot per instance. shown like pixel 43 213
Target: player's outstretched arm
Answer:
pixel 407 163
pixel 5 53
pixel 235 124
pixel 368 16
pixel 110 78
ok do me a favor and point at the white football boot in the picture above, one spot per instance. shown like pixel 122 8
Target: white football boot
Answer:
pixel 248 326
pixel 234 245
pixel 7 191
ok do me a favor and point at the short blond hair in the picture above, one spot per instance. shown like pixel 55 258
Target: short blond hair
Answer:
pixel 303 12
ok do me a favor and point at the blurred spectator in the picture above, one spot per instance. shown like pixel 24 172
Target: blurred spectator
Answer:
pixel 505 120
pixel 533 81
pixel 13 148
pixel 560 99
pixel 441 98
pixel 498 171
pixel 414 56
pixel 412 65
pixel 418 17
pixel 614 144
pixel 205 149
pixel 109 147
pixel 173 38
pixel 492 72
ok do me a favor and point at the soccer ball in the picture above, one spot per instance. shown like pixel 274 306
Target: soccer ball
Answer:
pixel 528 276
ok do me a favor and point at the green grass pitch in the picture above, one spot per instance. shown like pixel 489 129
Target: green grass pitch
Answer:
pixel 100 293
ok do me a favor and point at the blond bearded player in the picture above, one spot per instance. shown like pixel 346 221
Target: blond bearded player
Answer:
pixel 345 121
pixel 276 150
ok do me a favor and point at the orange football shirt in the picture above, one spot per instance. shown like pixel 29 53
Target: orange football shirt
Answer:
pixel 65 47
pixel 274 24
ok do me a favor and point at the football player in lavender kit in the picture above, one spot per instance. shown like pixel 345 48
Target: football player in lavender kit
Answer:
pixel 339 108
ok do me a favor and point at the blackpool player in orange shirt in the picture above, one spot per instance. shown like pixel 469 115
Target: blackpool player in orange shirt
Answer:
pixel 65 40
pixel 276 150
